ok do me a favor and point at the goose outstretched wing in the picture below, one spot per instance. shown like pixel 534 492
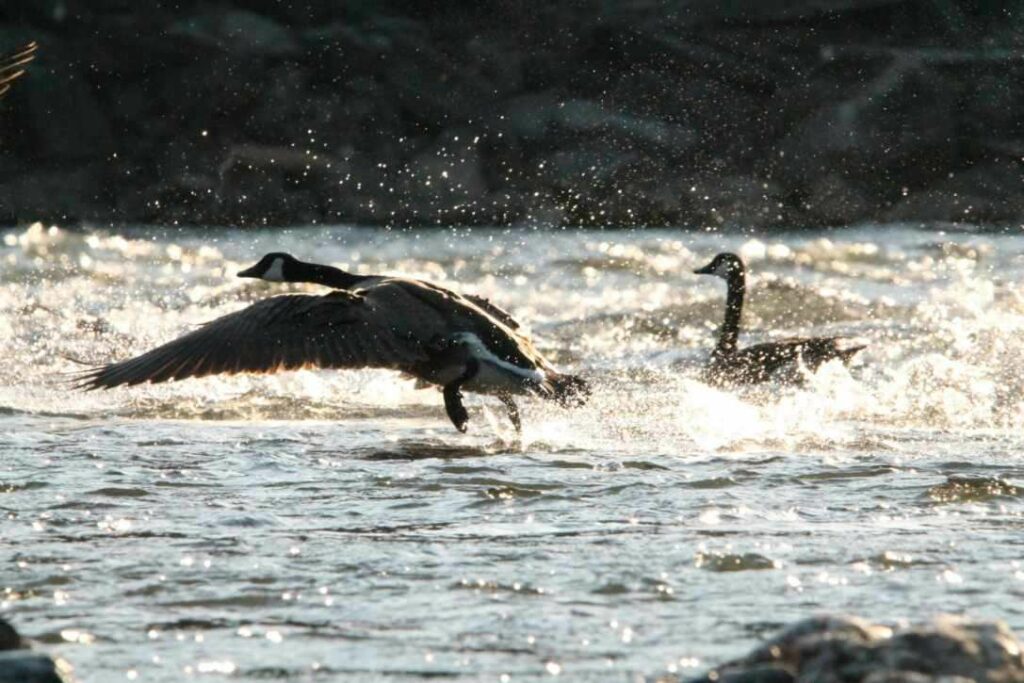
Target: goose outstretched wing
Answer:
pixel 10 65
pixel 337 330
pixel 461 314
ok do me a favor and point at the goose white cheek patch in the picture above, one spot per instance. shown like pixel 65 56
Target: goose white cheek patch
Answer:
pixel 275 272
pixel 482 353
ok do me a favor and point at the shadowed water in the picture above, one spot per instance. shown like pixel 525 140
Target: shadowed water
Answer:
pixel 333 525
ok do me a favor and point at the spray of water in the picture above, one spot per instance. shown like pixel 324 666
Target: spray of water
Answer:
pixel 943 315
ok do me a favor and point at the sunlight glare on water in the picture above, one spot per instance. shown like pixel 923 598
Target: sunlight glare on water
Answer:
pixel 333 524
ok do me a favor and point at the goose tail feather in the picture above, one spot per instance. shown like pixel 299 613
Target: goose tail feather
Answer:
pixel 847 354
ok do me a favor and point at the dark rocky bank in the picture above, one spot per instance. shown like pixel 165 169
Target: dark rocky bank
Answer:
pixel 836 649
pixel 753 113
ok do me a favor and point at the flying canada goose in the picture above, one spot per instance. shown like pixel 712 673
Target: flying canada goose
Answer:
pixel 761 362
pixel 431 333
pixel 10 65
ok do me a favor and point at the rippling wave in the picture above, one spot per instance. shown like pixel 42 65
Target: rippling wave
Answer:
pixel 334 522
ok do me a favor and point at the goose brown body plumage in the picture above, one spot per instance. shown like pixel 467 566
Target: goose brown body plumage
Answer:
pixel 415 327
pixel 778 360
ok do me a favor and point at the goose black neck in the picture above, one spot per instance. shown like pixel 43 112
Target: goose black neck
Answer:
pixel 328 276
pixel 728 336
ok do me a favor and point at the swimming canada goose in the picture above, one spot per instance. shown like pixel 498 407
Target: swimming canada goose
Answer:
pixel 10 65
pixel 431 333
pixel 761 362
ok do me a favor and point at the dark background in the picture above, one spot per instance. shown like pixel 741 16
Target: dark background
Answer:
pixel 751 113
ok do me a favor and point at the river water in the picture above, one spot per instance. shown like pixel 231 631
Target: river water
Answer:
pixel 333 526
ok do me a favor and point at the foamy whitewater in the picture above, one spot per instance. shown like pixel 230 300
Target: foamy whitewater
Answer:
pixel 332 525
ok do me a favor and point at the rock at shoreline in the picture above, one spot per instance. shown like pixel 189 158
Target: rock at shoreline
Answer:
pixel 836 649
pixel 18 664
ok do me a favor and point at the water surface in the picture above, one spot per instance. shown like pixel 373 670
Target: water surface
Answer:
pixel 333 526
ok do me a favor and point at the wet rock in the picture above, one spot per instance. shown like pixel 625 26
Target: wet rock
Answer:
pixel 777 10
pixel 64 194
pixel 24 666
pixel 10 639
pixel 849 650
pixel 902 118
pixel 537 117
pixel 238 31
pixel 341 48
pixel 18 664
pixel 988 193
pixel 966 489
pixel 257 182
pixel 990 105
pixel 84 131
pixel 831 199
pixel 175 198
pixel 730 562
pixel 782 113
pixel 739 201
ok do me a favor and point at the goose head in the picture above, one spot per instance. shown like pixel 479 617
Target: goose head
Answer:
pixel 724 265
pixel 275 267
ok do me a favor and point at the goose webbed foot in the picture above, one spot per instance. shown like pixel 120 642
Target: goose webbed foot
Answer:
pixel 453 405
pixel 457 412
pixel 513 412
